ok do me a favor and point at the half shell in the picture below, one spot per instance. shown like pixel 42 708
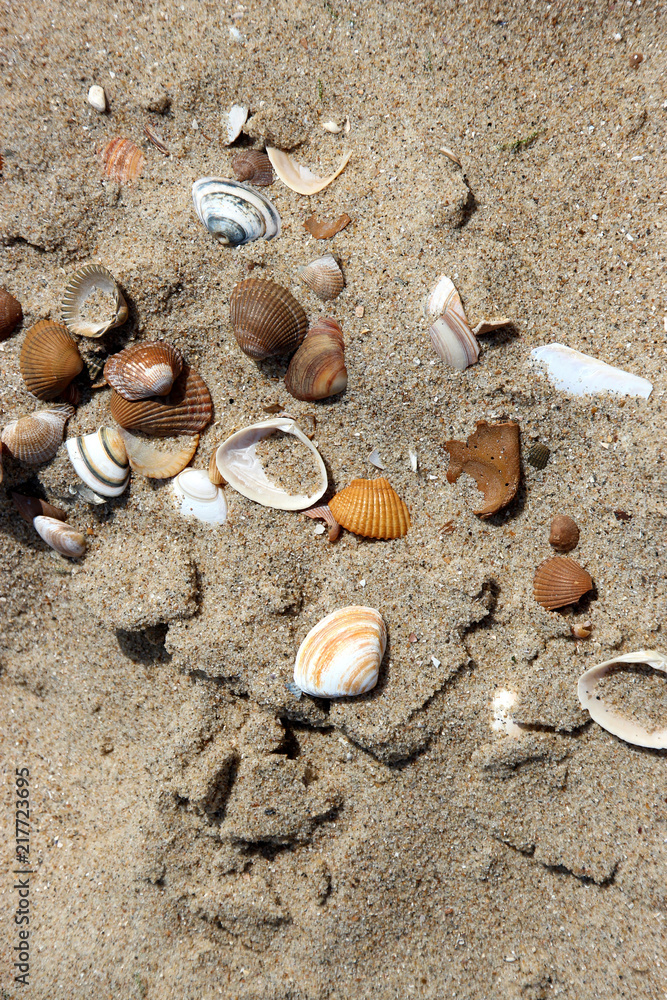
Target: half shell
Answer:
pixel 300 178
pixel 36 439
pixel 122 160
pixel 49 359
pixel 372 508
pixel 253 166
pixel 31 507
pixel 328 228
pixel 85 281
pixel 324 277
pixel 144 370
pixel 560 581
pixel 199 497
pixel 267 319
pixel 11 314
pixel 451 336
pixel 234 213
pixel 564 534
pixel 148 461
pixel 236 119
pixel 341 655
pixel 186 410
pixel 318 370
pixel 492 457
pixel 580 374
pixel 611 719
pixel 100 460
pixel 62 537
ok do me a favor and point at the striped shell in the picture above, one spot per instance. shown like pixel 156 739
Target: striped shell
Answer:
pixel 100 460
pixel 451 336
pixel 186 410
pixel 36 439
pixel 492 457
pixel 266 318
pixel 318 370
pixel 62 537
pixel 88 279
pixel 31 507
pixel 49 359
pixel 149 461
pixel 144 370
pixel 234 213
pixel 324 277
pixel 253 166
pixel 122 160
pixel 372 508
pixel 341 655
pixel 560 581
pixel 538 455
pixel 11 314
pixel 214 474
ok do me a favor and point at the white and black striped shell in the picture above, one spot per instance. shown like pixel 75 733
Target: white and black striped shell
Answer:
pixel 234 213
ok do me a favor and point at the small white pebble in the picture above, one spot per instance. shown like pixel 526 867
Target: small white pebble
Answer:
pixel 435 661
pixel 97 98
pixel 618 37
pixel 319 529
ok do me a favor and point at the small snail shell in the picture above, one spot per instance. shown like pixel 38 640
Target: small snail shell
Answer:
pixel 11 314
pixel 341 655
pixel 371 508
pixel 144 370
pixel 122 160
pixel 62 537
pixel 100 460
pixel 318 370
pixel 186 410
pixel 560 581
pixel 324 277
pixel 49 359
pixel 36 439
pixel 267 319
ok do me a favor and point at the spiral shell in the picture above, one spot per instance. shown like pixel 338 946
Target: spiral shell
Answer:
pixel 324 277
pixel 318 370
pixel 36 439
pixel 341 655
pixel 266 318
pixel 560 581
pixel 199 497
pixel 31 507
pixel 149 461
pixel 144 370
pixel 49 359
pixel 62 537
pixel 372 508
pixel 253 166
pixel 122 160
pixel 186 410
pixel 492 457
pixel 83 283
pixel 11 314
pixel 564 534
pixel 100 460
pixel 234 213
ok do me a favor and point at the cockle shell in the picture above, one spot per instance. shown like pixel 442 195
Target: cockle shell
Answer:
pixel 580 374
pixel 300 178
pixel 610 718
pixel 371 508
pixel 199 497
pixel 267 319
pixel 122 160
pixel 318 370
pixel 560 581
pixel 324 277
pixel 341 655
pixel 186 410
pixel 82 284
pixel 35 439
pixel 144 370
pixel 492 457
pixel 100 460
pixel 236 119
pixel 253 166
pixel 564 534
pixel 149 461
pixel 234 213
pixel 538 455
pixel 31 507
pixel 62 537
pixel 11 314
pixel 451 336
pixel 49 359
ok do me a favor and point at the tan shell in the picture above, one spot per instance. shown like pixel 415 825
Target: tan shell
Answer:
pixel 49 359
pixel 254 167
pixel 299 178
pixel 144 370
pixel 266 318
pixel 214 473
pixel 560 581
pixel 36 439
pixel 113 309
pixel 186 410
pixel 492 457
pixel 31 507
pixel 324 277
pixel 11 314
pixel 149 461
pixel 341 655
pixel 372 508
pixel 62 537
pixel 318 370
pixel 327 229
pixel 122 160
pixel 564 534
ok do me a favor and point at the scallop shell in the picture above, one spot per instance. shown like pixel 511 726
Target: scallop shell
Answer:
pixel 580 374
pixel 100 460
pixel 253 166
pixel 560 581
pixel 236 119
pixel 31 507
pixel 122 160
pixel 234 213
pixel 538 456
pixel 611 719
pixel 148 461
pixel 238 463
pixel 266 318
pixel 82 283
pixel 372 508
pixel 62 537
pixel 300 178
pixel 36 439
pixel 324 277
pixel 492 457
pixel 144 370
pixel 11 314
pixel 199 497
pixel 49 359
pixel 341 655
pixel 326 229
pixel 186 410
pixel 564 533
pixel 318 370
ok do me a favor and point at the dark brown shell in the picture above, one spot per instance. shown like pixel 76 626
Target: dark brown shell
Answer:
pixel 492 457
pixel 267 319
pixel 253 166
pixel 49 359
pixel 564 533
pixel 11 314
pixel 30 507
pixel 560 581
pixel 371 508
pixel 538 455
pixel 318 370
pixel 326 230
pixel 144 370
pixel 122 160
pixel 186 410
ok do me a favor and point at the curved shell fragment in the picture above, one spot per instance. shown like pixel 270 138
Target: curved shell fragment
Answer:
pixel 85 281
pixel 300 178
pixel 492 457
pixel 236 119
pixel 611 719
pixel 580 374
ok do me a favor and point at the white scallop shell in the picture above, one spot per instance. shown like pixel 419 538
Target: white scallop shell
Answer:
pixel 341 655
pixel 233 212
pixel 611 719
pixel 451 336
pixel 236 119
pixel 60 536
pixel 580 374
pixel 81 284
pixel 100 460
pixel 199 497
pixel 300 178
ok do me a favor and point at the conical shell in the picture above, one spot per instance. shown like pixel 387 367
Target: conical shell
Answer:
pixel 253 166
pixel 83 282
pixel 199 497
pixel 560 581
pixel 36 439
pixel 31 507
pixel 148 461
pixel 372 508
pixel 234 213
pixel 49 359
pixel 65 539
pixel 564 534
pixel 324 277
pixel 186 410
pixel 122 160
pixel 266 318
pixel 492 457
pixel 318 370
pixel 100 460
pixel 11 314
pixel 341 655
pixel 144 370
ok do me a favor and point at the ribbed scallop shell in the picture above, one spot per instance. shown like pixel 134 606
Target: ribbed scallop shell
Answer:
pixel 65 539
pixel 372 508
pixel 122 160
pixel 100 460
pixel 341 655
pixel 31 507
pixel 324 277
pixel 253 166
pixel 144 370
pixel 11 314
pixel 79 287
pixel 317 370
pixel 538 455
pixel 560 581
pixel 36 439
pixel 564 534
pixel 234 213
pixel 49 359
pixel 148 461
pixel 267 319
pixel 186 410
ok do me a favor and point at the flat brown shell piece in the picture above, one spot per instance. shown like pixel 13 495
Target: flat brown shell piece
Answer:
pixel 31 507
pixel 186 410
pixel 564 534
pixel 372 508
pixel 492 457
pixel 49 359
pixel 144 370
pixel 122 160
pixel 267 319
pixel 560 581
pixel 11 314
pixel 253 167
pixel 326 230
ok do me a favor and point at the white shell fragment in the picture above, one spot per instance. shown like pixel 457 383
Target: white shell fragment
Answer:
pixel 236 119
pixel 62 537
pixel 451 336
pixel 234 213
pixel 300 178
pixel 97 98
pixel 84 282
pixel 341 655
pixel 580 374
pixel 332 127
pixel 611 719
pixel 414 459
pixel 101 461
pixel 238 463
pixel 374 459
pixel 199 497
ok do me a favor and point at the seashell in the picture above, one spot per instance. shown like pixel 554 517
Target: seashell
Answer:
pixel 414 459
pixel 100 460
pixel 560 581
pixel 492 457
pixel 97 98
pixel 610 718
pixel 581 631
pixel 374 459
pixel 341 655
pixel 299 178
pixel 580 374
pixel 36 439
pixel 324 277
pixel 326 230
pixel 266 318
pixel 451 336
pixel 332 127
pixel 214 473
pixel 31 507
pixel 49 359
pixel 564 533
pixel 237 461
pixel 62 537
pixel 144 370
pixel 122 160
pixel 11 314
pixel 443 296
pixel 325 514
pixel 234 213
pixel 318 370
pixel 236 119
pixel 538 456
pixel 253 166
pixel 148 461
pixel 199 497
pixel 372 508
pixel 83 492
pixel 491 325
pixel 186 410
pixel 156 139
pixel 84 282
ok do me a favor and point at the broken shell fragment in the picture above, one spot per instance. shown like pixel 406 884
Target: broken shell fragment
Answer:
pixel 236 119
pixel 266 318
pixel 100 460
pixel 36 438
pixel 49 359
pixel 580 374
pixel 253 166
pixel 30 507
pixel 324 277
pixel 300 178
pixel 327 230
pixel 323 513
pixel 332 127
pixel 144 370
pixel 538 455
pixel 560 581
pixel 62 537
pixel 199 497
pixel 187 409
pixel 341 656
pixel 492 457
pixel 214 473
pixel 233 213
pixel 89 279
pixel 582 631
pixel 318 370
pixel 122 160
pixel 451 336
pixel 564 534
pixel 11 314
pixel 612 719
pixel 374 459
pixel 371 508
pixel 149 461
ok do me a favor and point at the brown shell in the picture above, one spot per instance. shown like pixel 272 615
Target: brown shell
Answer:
pixel 492 457
pixel 564 533
pixel 36 438
pixel 144 370
pixel 49 359
pixel 29 507
pixel 186 410
pixel 324 277
pixel 560 581
pixel 372 508
pixel 11 314
pixel 267 319
pixel 538 456
pixel 253 166
pixel 214 473
pixel 326 230
pixel 122 160
pixel 318 370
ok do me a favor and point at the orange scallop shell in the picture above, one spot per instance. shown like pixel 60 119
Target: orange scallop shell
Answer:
pixel 254 167
pixel 144 370
pixel 560 581
pixel 186 410
pixel 492 457
pixel 372 508
pixel 11 314
pixel 267 319
pixel 122 160
pixel 49 359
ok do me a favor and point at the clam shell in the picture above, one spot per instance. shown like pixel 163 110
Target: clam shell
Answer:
pixel 236 119
pixel 186 410
pixel 300 178
pixel 580 374
pixel 564 533
pixel 148 461
pixel 144 370
pixel 62 537
pixel 492 457
pixel 266 318
pixel 49 359
pixel 454 342
pixel 318 370
pixel 253 166
pixel 79 287
pixel 31 507
pixel 326 229
pixel 324 277
pixel 11 314
pixel 199 497
pixel 372 508
pixel 610 718
pixel 100 460
pixel 560 581
pixel 234 213
pixel 341 655
pixel 36 439
pixel 538 456
pixel 122 160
